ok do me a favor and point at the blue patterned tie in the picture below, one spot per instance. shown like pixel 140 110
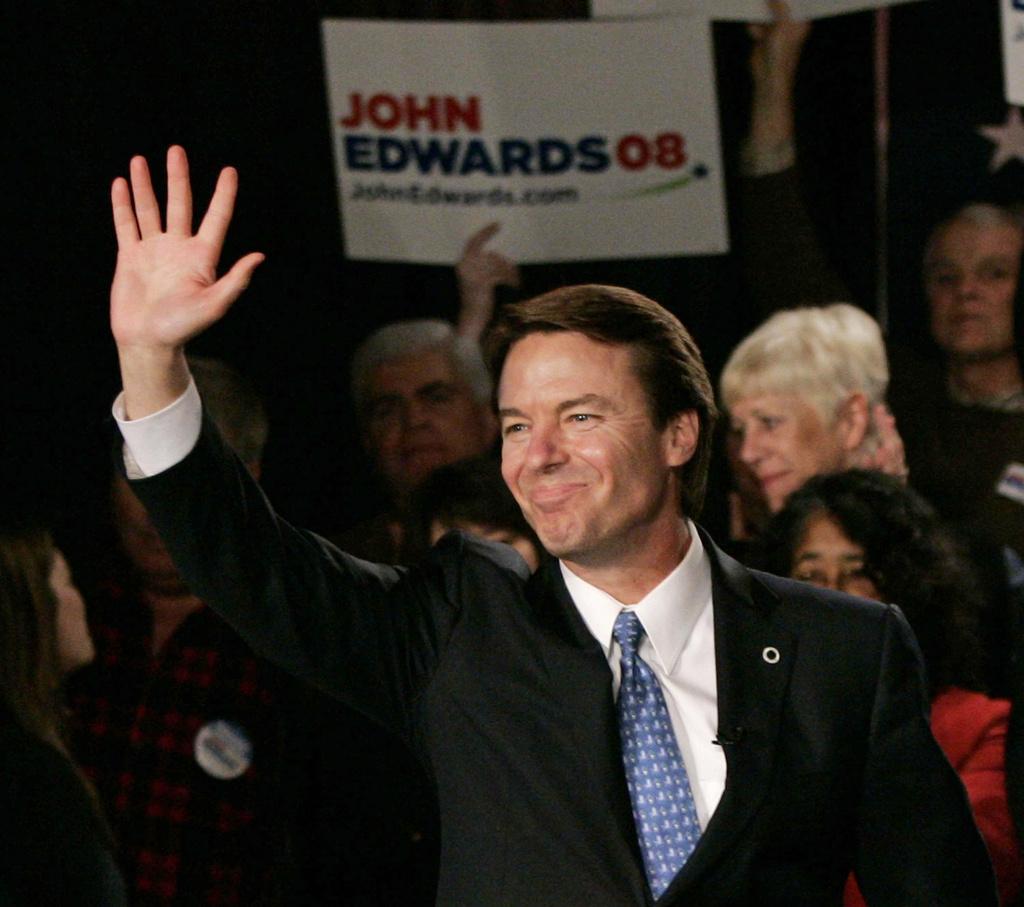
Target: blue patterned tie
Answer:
pixel 663 807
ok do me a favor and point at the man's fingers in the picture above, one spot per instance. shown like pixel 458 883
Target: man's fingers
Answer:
pixel 147 211
pixel 783 22
pixel 508 272
pixel 218 298
pixel 226 290
pixel 779 10
pixel 890 456
pixel 179 193
pixel 125 227
pixel 218 216
pixel 884 418
pixel 480 238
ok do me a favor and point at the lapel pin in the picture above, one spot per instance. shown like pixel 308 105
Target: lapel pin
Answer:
pixel 770 654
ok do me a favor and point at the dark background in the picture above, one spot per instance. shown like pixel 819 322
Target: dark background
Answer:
pixel 91 84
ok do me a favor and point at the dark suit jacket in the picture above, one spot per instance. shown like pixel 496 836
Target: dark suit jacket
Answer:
pixel 55 848
pixel 494 679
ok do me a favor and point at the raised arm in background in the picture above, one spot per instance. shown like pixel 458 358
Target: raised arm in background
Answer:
pixel 783 262
pixel 480 271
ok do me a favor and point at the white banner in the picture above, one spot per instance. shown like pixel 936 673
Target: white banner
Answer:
pixel 1013 50
pixel 585 140
pixel 742 10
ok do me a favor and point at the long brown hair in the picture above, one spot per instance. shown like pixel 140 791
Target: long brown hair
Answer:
pixel 29 666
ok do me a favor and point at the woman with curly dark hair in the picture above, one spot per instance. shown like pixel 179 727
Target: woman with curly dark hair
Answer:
pixel 57 849
pixel 867 534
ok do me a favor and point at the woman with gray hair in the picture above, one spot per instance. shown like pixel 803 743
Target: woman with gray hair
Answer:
pixel 805 394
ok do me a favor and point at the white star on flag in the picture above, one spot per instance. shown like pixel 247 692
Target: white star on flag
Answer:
pixel 1008 139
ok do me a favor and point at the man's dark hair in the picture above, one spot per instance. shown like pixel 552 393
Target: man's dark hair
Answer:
pixel 665 358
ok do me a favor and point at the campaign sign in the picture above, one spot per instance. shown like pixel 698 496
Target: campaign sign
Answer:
pixel 742 10
pixel 1013 50
pixel 585 140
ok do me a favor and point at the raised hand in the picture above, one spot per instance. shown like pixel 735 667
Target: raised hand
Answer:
pixel 775 52
pixel 774 57
pixel 165 289
pixel 479 271
pixel 889 456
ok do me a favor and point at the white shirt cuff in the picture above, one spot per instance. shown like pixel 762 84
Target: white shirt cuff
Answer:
pixel 162 439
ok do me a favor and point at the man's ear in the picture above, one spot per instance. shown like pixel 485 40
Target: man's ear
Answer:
pixel 681 436
pixel 853 421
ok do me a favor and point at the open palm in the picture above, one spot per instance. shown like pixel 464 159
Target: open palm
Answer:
pixel 165 288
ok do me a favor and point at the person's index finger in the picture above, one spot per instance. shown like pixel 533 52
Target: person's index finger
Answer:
pixel 780 11
pixel 125 228
pixel 511 275
pixel 179 192
pixel 482 236
pixel 215 223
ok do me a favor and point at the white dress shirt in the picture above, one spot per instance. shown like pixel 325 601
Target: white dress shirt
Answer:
pixel 679 644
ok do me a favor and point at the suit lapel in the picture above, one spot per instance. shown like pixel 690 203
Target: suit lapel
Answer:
pixel 751 691
pixel 754 655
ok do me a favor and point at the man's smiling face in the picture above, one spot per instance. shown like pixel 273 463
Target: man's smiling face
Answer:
pixel 580 452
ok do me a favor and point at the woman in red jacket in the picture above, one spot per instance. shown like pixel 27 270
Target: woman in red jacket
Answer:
pixel 865 533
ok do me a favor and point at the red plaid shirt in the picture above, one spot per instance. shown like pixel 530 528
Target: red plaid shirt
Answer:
pixel 186 835
pixel 330 809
